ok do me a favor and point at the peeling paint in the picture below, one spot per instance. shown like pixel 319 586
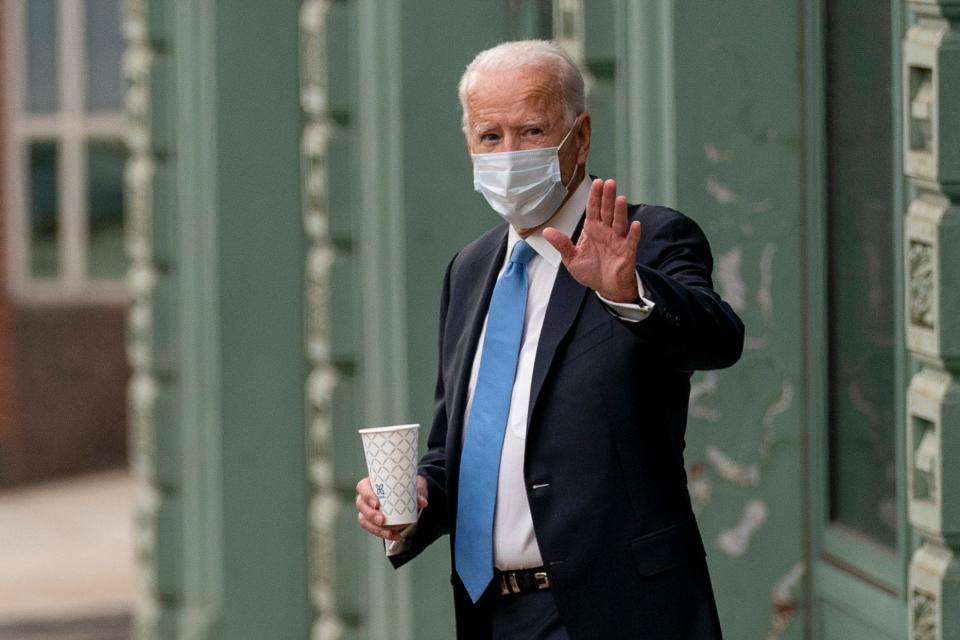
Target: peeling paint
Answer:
pixel 714 154
pixel 780 406
pixel 732 287
pixel 699 486
pixel 731 470
pixel 764 298
pixel 706 385
pixel 765 291
pixel 735 542
pixel 720 192
pixel 783 605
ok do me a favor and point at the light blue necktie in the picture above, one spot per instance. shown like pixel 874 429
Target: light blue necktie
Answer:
pixel 480 461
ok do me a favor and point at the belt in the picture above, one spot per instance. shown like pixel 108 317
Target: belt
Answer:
pixel 521 581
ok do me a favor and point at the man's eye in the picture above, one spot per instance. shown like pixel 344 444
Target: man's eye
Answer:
pixel 534 132
pixel 489 137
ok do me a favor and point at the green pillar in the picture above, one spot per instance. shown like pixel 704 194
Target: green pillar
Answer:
pixel 216 339
pixel 931 108
pixel 646 127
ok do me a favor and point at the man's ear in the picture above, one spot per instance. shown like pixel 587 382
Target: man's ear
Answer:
pixel 583 139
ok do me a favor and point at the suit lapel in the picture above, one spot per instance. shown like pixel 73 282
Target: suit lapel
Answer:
pixel 565 301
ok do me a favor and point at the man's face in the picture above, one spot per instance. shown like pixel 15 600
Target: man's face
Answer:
pixel 523 109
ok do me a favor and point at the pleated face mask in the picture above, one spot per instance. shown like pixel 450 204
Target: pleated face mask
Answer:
pixel 524 187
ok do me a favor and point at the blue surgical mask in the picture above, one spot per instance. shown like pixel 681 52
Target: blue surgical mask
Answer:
pixel 524 187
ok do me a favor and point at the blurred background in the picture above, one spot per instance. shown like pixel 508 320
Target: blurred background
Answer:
pixel 224 225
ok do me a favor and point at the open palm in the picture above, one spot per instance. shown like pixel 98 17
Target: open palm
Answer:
pixel 604 257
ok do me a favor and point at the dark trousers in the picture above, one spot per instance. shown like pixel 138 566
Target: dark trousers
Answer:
pixel 530 616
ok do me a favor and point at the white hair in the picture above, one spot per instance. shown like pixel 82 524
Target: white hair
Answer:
pixel 545 55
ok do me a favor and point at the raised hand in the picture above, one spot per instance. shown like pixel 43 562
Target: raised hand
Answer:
pixel 604 258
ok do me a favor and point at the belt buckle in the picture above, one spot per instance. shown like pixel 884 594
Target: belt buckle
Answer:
pixel 541 579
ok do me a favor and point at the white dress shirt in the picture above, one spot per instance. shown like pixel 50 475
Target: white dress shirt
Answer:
pixel 514 541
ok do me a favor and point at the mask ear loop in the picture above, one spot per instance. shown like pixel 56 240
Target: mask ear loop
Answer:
pixel 576 167
pixel 572 127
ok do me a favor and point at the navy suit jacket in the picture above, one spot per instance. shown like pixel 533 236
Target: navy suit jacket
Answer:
pixel 605 438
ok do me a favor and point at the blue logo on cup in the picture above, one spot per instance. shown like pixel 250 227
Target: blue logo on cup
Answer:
pixel 378 487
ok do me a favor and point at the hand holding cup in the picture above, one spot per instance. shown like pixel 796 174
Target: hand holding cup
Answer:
pixel 391 497
pixel 370 517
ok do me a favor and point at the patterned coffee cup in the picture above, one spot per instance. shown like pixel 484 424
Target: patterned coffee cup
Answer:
pixel 391 454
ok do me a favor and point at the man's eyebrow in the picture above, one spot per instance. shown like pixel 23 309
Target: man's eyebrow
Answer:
pixel 537 124
pixel 482 128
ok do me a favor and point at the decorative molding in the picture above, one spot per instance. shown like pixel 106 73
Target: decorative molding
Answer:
pixel 322 377
pixel 921 284
pixel 931 103
pixel 141 279
pixel 923 606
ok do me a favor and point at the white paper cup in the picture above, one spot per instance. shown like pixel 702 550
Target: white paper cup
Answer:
pixel 391 454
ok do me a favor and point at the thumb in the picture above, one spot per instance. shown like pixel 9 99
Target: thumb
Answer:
pixel 561 243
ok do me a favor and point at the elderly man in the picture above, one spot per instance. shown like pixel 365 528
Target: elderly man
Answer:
pixel 567 340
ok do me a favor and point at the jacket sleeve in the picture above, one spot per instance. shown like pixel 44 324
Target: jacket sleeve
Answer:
pixel 433 521
pixel 690 326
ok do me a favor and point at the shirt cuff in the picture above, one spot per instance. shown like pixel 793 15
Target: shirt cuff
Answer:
pixel 396 547
pixel 631 311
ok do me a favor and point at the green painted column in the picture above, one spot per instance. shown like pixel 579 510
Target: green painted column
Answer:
pixel 217 328
pixel 931 108
pixel 646 97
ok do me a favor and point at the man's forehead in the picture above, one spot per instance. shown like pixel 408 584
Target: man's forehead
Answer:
pixel 533 91
pixel 487 81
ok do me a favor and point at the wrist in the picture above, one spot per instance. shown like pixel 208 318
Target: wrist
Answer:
pixel 627 293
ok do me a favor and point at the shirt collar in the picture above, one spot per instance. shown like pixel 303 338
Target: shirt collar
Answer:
pixel 565 221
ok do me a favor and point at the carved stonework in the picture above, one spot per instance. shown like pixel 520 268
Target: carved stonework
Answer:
pixel 322 378
pixel 923 607
pixel 141 277
pixel 921 284
pixel 930 107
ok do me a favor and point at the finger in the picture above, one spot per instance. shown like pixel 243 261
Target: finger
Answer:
pixel 606 202
pixel 593 201
pixel 365 505
pixel 561 243
pixel 633 235
pixel 380 532
pixel 365 492
pixel 620 216
pixel 422 491
pixel 371 514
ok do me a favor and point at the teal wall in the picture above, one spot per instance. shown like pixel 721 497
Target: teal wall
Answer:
pixel 739 124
